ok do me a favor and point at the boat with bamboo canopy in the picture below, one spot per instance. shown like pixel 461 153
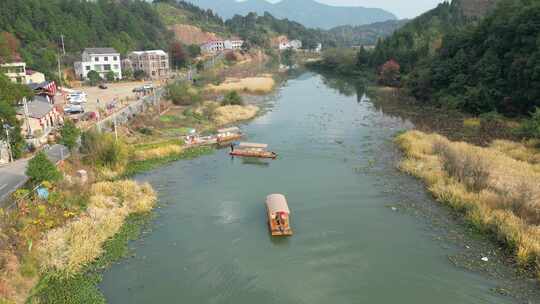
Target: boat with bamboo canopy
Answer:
pixel 227 135
pixel 252 150
pixel 278 215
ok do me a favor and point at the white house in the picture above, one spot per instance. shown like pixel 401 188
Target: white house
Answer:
pixel 285 44
pixel 15 71
pixel 101 60
pixel 215 46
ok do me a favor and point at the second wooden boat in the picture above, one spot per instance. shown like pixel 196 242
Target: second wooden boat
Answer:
pixel 252 150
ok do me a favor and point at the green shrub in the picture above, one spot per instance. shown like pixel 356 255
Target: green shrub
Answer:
pixel 41 169
pixel 232 98
pixel 182 93
pixel 530 128
pixel 102 149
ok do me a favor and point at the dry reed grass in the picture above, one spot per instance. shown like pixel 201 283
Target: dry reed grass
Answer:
pixel 158 152
pixel 257 85
pixel 68 248
pixel 233 113
pixel 496 190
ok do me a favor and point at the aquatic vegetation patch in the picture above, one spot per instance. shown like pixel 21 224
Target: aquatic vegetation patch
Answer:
pixel 496 191
pixel 149 164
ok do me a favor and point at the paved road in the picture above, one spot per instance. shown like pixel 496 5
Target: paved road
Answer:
pixel 12 175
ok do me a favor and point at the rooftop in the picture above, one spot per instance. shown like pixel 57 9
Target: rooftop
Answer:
pixel 155 52
pixel 100 51
pixel 37 108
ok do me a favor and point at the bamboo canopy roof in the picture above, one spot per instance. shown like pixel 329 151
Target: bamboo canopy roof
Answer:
pixel 252 145
pixel 231 129
pixel 277 203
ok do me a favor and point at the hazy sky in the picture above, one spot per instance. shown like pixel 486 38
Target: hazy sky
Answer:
pixel 400 8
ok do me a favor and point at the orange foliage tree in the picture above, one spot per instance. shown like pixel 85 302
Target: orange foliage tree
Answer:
pixel 389 74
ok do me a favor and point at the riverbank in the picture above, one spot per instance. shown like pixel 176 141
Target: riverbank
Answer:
pixel 495 187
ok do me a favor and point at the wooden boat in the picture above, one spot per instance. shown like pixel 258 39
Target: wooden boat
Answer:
pixel 252 150
pixel 278 215
pixel 227 135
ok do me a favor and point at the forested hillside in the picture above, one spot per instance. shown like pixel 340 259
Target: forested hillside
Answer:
pixel 420 37
pixel 494 66
pixel 38 25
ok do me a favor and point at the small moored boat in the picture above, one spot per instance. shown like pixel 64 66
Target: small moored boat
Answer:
pixel 228 134
pixel 278 215
pixel 252 150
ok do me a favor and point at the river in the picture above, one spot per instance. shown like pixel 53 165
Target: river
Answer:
pixel 353 243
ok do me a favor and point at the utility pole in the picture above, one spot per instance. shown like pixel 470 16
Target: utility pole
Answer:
pixel 59 58
pixel 10 153
pixel 63 47
pixel 28 127
pixel 59 71
pixel 115 128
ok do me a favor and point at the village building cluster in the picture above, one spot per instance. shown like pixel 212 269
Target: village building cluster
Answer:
pixel 40 116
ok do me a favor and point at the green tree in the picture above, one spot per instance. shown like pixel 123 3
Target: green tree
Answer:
pixel 93 78
pixel 41 169
pixel 111 76
pixel 70 134
pixel 139 74
pixel 194 50
pixel 288 57
pixel 127 73
pixel 10 95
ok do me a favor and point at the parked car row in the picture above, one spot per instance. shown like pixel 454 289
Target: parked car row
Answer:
pixel 144 88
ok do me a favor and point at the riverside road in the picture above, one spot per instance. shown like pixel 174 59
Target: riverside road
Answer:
pixel 12 175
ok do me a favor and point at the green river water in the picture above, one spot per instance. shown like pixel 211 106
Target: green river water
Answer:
pixel 209 242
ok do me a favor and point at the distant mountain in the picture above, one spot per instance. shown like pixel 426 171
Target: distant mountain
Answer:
pixel 307 12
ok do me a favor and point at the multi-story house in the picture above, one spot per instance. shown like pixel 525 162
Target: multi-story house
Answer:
pixel 216 46
pixel 285 44
pixel 101 60
pixel 154 63
pixel 15 71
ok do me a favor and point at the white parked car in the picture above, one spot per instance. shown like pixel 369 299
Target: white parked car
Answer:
pixel 74 109
pixel 76 96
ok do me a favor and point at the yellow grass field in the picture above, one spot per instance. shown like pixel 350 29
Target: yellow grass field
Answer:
pixel 495 187
pixel 257 85
pixel 69 248
pixel 234 113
